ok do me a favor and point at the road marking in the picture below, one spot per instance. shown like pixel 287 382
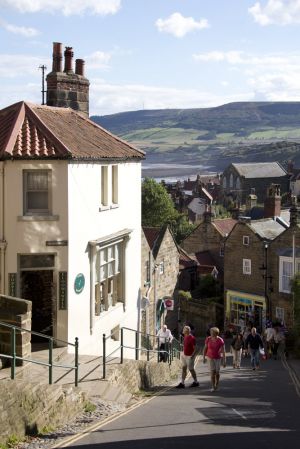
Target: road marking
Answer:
pixel 292 374
pixel 70 440
pixel 239 413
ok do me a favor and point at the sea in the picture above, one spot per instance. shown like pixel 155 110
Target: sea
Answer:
pixel 172 172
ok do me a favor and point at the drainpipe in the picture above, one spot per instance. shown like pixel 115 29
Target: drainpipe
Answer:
pixel 92 283
pixel 3 243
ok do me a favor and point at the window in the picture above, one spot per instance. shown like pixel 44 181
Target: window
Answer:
pixel 114 186
pixel 231 181
pixel 108 290
pixel 104 186
pixel 161 268
pixel 222 250
pixel 246 240
pixel 36 191
pixel 286 273
pixel 238 183
pixel 224 182
pixel 246 266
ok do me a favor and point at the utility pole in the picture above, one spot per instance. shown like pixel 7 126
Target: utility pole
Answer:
pixel 43 68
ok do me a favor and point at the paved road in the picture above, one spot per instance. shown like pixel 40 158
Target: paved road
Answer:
pixel 258 409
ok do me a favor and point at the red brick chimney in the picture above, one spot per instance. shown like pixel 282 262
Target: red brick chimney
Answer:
pixel 57 57
pixel 79 67
pixel 65 88
pixel 69 59
pixel 272 205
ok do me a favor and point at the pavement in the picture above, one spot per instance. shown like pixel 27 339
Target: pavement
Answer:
pixel 91 379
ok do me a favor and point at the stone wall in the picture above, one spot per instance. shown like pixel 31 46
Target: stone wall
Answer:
pixel 17 312
pixel 141 375
pixel 28 408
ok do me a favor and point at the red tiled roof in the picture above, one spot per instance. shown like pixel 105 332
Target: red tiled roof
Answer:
pixel 33 131
pixel 151 235
pixel 224 225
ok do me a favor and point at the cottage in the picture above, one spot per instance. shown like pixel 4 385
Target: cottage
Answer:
pixel 70 195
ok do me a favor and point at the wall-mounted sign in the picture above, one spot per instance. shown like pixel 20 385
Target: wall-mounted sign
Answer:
pixel 62 290
pixel 169 303
pixel 12 284
pixel 79 283
pixel 56 242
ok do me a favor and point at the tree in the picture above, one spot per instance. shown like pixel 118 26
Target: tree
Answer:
pixel 157 207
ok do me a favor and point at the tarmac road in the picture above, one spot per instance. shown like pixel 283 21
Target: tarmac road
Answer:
pixel 251 409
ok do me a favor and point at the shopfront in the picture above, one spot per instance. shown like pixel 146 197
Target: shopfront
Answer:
pixel 244 309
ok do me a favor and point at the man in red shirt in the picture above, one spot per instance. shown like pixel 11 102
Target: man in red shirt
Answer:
pixel 188 357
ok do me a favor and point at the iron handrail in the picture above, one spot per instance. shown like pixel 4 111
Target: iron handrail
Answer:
pixel 172 348
pixel 13 356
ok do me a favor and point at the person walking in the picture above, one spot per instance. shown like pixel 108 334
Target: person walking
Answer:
pixel 165 337
pixel 214 350
pixel 278 337
pixel 269 336
pixel 254 343
pixel 237 346
pixel 188 358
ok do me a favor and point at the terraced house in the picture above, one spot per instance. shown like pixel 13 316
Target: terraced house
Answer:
pixel 70 207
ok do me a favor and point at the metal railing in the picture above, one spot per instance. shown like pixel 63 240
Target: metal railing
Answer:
pixel 50 364
pixel 142 344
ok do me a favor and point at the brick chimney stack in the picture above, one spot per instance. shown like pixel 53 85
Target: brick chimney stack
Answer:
pixel 67 89
pixel 272 205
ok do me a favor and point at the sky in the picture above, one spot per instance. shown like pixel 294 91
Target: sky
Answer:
pixel 155 54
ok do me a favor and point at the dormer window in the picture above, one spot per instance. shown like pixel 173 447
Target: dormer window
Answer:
pixel 246 240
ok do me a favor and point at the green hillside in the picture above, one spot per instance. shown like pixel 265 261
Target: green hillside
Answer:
pixel 235 132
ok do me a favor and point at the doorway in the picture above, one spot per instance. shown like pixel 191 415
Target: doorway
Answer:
pixel 37 286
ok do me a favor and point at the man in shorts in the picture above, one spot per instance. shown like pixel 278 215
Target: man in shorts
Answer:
pixel 214 350
pixel 188 357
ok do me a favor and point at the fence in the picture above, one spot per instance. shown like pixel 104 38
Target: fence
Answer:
pixel 13 357
pixel 144 343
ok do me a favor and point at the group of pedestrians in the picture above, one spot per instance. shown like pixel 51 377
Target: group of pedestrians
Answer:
pixel 249 342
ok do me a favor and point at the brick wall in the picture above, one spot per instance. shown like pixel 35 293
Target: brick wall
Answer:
pixel 16 312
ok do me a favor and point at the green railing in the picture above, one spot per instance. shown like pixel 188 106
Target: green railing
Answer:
pixel 142 344
pixel 13 357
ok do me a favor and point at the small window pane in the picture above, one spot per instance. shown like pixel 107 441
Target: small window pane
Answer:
pixel 37 200
pixel 36 261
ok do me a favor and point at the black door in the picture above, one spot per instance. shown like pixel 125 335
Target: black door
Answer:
pixel 37 286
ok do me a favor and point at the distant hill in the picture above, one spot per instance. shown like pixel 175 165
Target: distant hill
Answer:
pixel 240 132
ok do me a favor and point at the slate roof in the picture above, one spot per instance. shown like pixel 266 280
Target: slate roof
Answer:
pixel 151 235
pixel 29 131
pixel 185 261
pixel 267 228
pixel 260 170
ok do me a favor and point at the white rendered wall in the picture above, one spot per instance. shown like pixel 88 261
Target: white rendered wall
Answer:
pixel 87 223
pixel 25 236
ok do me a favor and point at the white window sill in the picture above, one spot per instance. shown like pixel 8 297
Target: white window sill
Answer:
pixel 38 218
pixel 112 206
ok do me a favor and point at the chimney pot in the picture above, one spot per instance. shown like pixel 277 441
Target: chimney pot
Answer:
pixel 79 67
pixel 69 59
pixel 57 57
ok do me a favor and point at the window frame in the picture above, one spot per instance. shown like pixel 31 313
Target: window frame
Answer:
pixel 246 240
pixel 34 212
pixel 282 260
pixel 247 268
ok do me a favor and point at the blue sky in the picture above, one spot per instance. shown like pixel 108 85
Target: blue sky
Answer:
pixel 155 54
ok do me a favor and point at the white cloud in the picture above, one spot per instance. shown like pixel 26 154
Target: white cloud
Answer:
pixel 14 66
pixel 98 60
pixel 23 31
pixel 278 12
pixel 108 98
pixel 67 7
pixel 179 26
pixel 240 58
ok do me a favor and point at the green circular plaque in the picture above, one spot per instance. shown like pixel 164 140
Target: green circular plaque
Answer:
pixel 79 283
